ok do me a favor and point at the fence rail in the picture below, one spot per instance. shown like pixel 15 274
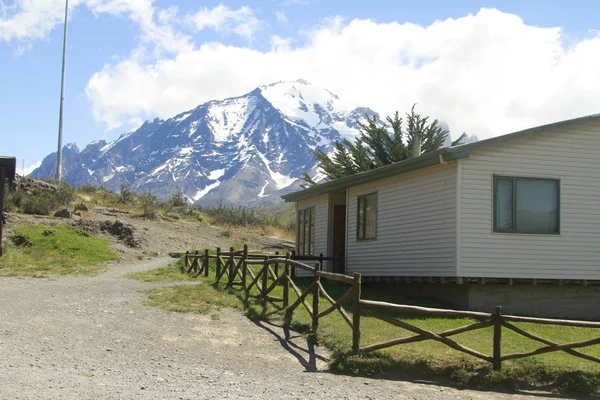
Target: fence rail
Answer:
pixel 262 273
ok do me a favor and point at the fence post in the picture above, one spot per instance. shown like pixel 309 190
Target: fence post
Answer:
pixel 356 313
pixel 195 263
pixel 293 270
pixel 286 282
pixel 206 262
pixel 265 279
pixel 244 267
pixel 321 261
pixel 218 261
pixel 230 266
pixel 187 260
pixel 497 320
pixel 277 265
pixel 315 304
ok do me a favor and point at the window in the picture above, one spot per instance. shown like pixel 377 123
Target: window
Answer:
pixel 526 205
pixel 367 217
pixel 306 231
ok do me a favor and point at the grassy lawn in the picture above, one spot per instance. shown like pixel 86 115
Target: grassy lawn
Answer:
pixel 171 273
pixel 42 251
pixel 557 371
pixel 198 298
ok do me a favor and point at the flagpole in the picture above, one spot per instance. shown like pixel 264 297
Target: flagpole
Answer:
pixel 62 99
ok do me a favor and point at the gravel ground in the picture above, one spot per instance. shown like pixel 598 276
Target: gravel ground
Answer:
pixel 91 338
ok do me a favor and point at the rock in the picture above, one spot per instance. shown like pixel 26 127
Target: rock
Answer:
pixel 64 213
pixel 81 207
pixel 32 186
pixel 121 231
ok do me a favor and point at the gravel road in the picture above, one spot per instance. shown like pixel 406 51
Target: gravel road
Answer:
pixel 92 338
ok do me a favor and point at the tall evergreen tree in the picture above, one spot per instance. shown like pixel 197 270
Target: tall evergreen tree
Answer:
pixel 377 146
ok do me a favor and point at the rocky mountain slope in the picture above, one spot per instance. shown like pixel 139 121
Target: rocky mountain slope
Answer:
pixel 246 150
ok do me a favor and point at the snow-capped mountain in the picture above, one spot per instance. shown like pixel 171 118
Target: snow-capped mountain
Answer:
pixel 245 150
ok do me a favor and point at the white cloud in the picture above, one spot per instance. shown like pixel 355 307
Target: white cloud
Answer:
pixel 281 17
pixel 31 18
pixel 161 28
pixel 29 169
pixel 221 18
pixel 279 43
pixel 486 74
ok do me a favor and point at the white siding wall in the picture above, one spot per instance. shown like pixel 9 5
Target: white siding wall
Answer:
pixel 416 225
pixel 321 204
pixel 571 155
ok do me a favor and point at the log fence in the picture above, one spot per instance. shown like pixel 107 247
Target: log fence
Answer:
pixel 260 274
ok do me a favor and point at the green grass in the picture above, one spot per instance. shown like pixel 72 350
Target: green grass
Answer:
pixel 557 371
pixel 171 273
pixel 191 298
pixel 42 251
pixel 199 299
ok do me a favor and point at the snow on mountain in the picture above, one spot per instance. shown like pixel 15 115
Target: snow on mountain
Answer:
pixel 246 150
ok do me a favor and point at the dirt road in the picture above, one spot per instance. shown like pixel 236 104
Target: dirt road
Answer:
pixel 92 338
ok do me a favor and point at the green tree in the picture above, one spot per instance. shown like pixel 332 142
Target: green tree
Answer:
pixel 380 144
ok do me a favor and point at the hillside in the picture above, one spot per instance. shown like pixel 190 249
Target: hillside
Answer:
pixel 135 236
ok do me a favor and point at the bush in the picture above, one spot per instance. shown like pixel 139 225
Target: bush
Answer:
pixel 578 383
pixel 107 197
pixel 149 205
pixel 64 195
pixel 127 196
pixel 173 215
pixel 12 199
pixel 41 204
pixel 178 200
pixel 88 188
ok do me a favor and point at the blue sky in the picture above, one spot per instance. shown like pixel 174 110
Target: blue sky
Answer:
pixel 486 68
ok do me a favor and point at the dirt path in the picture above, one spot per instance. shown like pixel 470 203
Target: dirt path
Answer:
pixel 91 338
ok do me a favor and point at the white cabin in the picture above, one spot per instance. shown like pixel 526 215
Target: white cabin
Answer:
pixel 523 206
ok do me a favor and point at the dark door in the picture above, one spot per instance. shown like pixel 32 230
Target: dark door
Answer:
pixel 339 239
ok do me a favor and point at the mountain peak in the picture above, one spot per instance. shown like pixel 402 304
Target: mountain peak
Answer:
pixel 245 150
pixel 299 81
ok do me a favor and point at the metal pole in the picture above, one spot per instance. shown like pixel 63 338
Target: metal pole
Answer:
pixel 62 99
pixel 2 179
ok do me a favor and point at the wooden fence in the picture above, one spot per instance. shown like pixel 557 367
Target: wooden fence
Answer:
pixel 266 272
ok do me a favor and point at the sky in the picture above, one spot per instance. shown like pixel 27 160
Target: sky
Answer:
pixel 484 67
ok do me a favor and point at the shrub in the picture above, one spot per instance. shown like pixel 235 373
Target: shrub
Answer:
pixel 88 188
pixel 64 195
pixel 178 200
pixel 41 204
pixel 149 205
pixel 578 383
pixel 173 215
pixel 12 199
pixel 127 196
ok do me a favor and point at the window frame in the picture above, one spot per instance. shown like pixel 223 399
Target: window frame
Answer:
pixel 305 243
pixel 513 230
pixel 362 236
